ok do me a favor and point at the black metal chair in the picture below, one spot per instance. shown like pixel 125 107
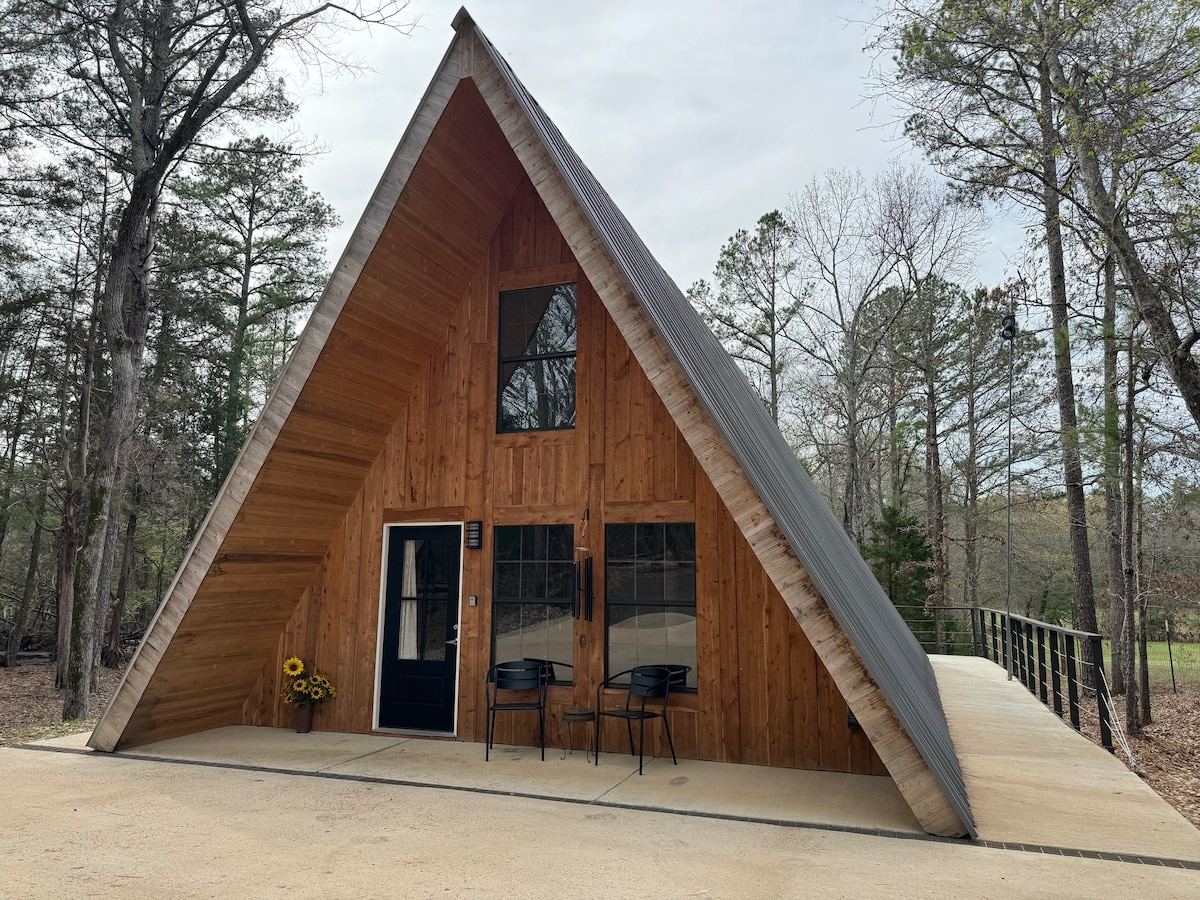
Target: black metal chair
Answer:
pixel 645 683
pixel 549 672
pixel 519 676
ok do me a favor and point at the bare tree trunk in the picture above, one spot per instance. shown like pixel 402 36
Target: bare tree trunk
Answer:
pixel 935 522
pixel 1143 660
pixel 66 551
pixel 971 487
pixel 850 495
pixel 125 314
pixel 1133 722
pixel 1084 616
pixel 110 657
pixel 72 532
pixel 17 634
pixel 1143 664
pixel 895 487
pixel 1112 479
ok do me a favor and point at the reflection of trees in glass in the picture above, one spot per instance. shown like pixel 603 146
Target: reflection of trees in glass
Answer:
pixel 533 592
pixel 650 577
pixel 432 582
pixel 537 358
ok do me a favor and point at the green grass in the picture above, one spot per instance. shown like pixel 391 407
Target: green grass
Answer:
pixel 1186 656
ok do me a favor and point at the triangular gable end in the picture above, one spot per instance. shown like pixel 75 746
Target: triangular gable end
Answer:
pixel 876 664
pixel 289 432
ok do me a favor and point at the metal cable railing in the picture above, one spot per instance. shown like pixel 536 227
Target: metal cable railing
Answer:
pixel 1048 659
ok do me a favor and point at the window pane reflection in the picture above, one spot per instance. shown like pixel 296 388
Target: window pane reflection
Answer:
pixel 650 595
pixel 537 359
pixel 533 596
pixel 534 631
pixel 538 395
pixel 652 635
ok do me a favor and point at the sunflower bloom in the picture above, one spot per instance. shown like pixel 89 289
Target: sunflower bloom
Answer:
pixel 293 667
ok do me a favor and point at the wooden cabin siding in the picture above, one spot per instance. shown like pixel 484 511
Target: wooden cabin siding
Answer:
pixel 386 413
pixel 763 696
pixel 378 339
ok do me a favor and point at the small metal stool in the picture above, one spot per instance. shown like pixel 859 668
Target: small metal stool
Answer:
pixel 572 716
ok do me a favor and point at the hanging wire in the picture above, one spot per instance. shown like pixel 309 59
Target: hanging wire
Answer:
pixel 1008 332
pixel 1118 728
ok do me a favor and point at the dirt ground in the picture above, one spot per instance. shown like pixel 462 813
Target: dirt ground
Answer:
pixel 30 707
pixel 1168 750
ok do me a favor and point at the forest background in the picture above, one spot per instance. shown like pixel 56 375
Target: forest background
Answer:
pixel 159 255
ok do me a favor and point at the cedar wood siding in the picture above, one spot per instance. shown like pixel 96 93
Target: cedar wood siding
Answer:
pixel 763 697
pixel 386 413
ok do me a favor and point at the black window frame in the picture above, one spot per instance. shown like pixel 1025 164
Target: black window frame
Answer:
pixel 666 598
pixel 502 360
pixel 566 600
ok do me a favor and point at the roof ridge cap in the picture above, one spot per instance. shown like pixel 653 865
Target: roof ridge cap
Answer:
pixel 462 19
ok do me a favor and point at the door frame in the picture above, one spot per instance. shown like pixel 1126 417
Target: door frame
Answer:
pixel 383 573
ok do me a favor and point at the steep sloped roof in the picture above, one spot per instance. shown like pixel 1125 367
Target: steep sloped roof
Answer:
pixel 223 609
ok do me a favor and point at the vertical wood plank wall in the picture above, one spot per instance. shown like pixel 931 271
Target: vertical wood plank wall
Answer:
pixel 762 695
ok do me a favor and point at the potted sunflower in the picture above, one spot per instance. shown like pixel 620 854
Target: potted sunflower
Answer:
pixel 304 689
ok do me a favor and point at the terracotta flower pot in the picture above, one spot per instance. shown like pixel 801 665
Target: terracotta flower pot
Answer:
pixel 302 718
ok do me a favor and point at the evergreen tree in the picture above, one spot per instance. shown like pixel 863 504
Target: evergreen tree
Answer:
pixel 898 553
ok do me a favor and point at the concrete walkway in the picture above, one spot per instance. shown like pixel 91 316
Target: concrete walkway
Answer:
pixel 258 812
pixel 791 796
pixel 80 824
pixel 1033 780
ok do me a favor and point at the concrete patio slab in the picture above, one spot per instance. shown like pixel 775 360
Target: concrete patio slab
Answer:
pixel 98 825
pixel 517 770
pixel 771 794
pixel 1032 779
pixel 274 748
pixel 1034 783
pixel 719 789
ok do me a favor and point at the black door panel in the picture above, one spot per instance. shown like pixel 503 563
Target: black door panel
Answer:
pixel 420 628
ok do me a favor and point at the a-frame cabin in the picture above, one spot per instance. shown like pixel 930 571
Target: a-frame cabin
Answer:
pixel 497 346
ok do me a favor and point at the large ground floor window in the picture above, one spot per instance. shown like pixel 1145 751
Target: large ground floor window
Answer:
pixel 650 595
pixel 533 596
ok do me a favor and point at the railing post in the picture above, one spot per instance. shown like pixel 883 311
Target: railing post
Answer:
pixel 1014 648
pixel 1102 696
pixel 1027 657
pixel 1041 655
pixel 1009 641
pixel 1072 682
pixel 1019 649
pixel 1056 673
pixel 1005 641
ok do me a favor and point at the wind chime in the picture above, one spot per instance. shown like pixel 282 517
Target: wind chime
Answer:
pixel 583 571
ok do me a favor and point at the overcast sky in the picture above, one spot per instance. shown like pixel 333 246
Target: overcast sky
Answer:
pixel 697 117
